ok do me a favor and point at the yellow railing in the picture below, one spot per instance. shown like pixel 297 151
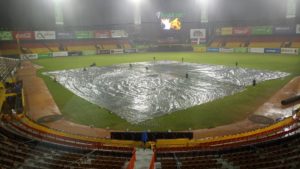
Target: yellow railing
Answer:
pixel 194 142
pixel 109 142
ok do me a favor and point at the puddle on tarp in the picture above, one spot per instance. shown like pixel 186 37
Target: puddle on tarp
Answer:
pixel 150 89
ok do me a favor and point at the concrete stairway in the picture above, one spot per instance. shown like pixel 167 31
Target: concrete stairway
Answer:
pixel 143 158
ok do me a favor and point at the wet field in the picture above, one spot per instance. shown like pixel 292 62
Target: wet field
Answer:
pixel 143 90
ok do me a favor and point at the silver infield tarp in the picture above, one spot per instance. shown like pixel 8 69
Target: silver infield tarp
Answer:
pixel 140 91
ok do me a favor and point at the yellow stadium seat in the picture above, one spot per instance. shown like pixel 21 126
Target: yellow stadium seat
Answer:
pixel 214 44
pixel 80 48
pixel 233 44
pixel 9 52
pixel 265 44
pixel 127 46
pixel 109 46
pixel 39 50
pixel 295 45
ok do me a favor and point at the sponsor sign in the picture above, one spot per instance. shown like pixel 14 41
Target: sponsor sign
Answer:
pixel 199 49
pixel 23 35
pixel 293 51
pixel 130 50
pixel 241 31
pixel 65 35
pixel 100 52
pixel 298 29
pixel 59 54
pixel 212 49
pixel 118 34
pixel 283 30
pixel 226 31
pixel 44 35
pixel 272 50
pixel 116 51
pixel 44 55
pixel 84 34
pixel 102 34
pixel 89 52
pixel 29 56
pixel 6 35
pixel 256 50
pixel 74 53
pixel 226 50
pixel 240 50
pixel 262 30
pixel 198 33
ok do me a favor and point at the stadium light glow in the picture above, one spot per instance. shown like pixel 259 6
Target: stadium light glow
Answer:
pixel 135 1
pixel 203 2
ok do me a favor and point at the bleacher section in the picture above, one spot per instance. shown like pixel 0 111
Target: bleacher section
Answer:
pixel 79 45
pixel 255 42
pixel 276 154
pixel 16 151
pixel 43 47
pixel 7 49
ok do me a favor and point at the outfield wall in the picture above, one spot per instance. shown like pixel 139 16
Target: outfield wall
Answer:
pixel 291 51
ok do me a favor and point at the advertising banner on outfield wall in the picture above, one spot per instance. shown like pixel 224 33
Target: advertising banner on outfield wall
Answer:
pixel 240 50
pixel 283 30
pixel 116 51
pixel 100 52
pixel 118 34
pixel 212 49
pixel 59 54
pixel 226 31
pixel 23 35
pixel 44 35
pixel 6 35
pixel 256 50
pixel 226 50
pixel 272 50
pixel 199 49
pixel 298 29
pixel 65 35
pixel 29 56
pixel 74 53
pixel 44 55
pixel 84 34
pixel 102 34
pixel 262 30
pixel 89 52
pixel 130 50
pixel 241 31
pixel 292 51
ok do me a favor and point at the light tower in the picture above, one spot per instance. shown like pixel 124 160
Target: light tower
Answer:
pixel 137 11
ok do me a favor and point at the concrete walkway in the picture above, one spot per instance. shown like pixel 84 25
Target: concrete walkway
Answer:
pixel 143 158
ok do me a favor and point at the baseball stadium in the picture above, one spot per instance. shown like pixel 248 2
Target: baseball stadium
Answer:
pixel 149 84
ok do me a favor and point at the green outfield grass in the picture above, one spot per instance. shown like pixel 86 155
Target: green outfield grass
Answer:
pixel 219 112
